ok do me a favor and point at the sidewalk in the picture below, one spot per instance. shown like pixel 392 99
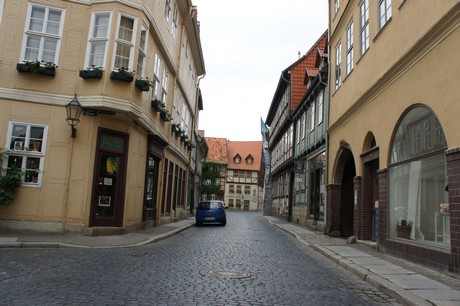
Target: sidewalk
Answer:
pixel 408 283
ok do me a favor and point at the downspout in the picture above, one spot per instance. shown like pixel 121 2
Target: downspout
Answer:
pixel 326 225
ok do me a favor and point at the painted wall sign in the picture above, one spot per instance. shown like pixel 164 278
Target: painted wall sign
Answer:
pixel 111 143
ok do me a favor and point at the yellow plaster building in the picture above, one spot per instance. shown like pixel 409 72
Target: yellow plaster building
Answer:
pixel 134 66
pixel 394 141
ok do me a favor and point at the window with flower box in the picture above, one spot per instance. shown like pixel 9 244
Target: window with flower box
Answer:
pixel 42 39
pixel 26 150
pixel 98 39
pixel 156 76
pixel 124 42
pixel 140 73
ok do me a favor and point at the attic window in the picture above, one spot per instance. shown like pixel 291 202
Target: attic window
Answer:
pixel 237 159
pixel 249 159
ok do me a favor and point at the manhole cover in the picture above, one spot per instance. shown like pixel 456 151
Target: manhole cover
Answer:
pixel 151 255
pixel 229 274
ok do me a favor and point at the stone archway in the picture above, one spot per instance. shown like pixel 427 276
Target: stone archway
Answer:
pixel 341 194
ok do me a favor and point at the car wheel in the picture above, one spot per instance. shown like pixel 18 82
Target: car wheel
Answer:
pixel 224 222
pixel 198 223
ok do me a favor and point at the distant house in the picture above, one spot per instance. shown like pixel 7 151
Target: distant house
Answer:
pixel 214 173
pixel 244 185
pixel 233 172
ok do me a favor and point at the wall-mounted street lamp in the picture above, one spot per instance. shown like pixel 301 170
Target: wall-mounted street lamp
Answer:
pixel 74 110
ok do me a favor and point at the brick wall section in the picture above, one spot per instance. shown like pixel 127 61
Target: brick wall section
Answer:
pixel 367 204
pixel 453 178
pixel 333 209
pixel 358 209
pixel 383 205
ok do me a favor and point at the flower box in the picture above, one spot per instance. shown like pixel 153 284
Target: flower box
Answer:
pixel 165 116
pixel 176 128
pixel 142 85
pixel 91 74
pixel 37 67
pixel 157 105
pixel 122 75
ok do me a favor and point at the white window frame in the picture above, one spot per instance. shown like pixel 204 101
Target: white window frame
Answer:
pixel 336 6
pixel 164 87
pixel 364 25
pixel 156 76
pixel 119 42
pixel 312 116
pixel 142 52
pixel 175 22
pixel 2 3
pixel 297 136
pixel 167 10
pixel 43 35
pixel 25 149
pixel 349 47
pixel 338 65
pixel 384 12
pixel 302 126
pixel 320 98
pixel 93 40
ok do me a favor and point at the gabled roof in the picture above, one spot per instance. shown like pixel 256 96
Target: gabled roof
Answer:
pixel 296 74
pixel 245 149
pixel 217 152
pixel 298 86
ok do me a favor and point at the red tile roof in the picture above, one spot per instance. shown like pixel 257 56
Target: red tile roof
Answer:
pixel 245 149
pixel 217 152
pixel 308 61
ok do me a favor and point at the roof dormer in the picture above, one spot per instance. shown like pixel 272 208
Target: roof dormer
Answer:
pixel 249 159
pixel 237 159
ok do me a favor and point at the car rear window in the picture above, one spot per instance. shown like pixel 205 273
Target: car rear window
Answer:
pixel 209 205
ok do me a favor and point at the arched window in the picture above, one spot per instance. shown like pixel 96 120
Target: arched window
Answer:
pixel 417 179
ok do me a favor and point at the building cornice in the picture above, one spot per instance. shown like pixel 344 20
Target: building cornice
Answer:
pixel 130 110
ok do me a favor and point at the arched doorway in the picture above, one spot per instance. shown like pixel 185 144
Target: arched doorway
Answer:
pixel 345 172
pixel 347 195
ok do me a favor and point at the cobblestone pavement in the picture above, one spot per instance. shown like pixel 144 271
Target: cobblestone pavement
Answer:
pixel 247 262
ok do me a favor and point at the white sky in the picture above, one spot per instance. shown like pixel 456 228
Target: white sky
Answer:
pixel 246 44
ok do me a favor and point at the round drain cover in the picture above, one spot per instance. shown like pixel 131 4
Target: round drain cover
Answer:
pixel 229 274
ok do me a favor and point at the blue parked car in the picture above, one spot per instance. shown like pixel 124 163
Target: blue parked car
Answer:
pixel 210 211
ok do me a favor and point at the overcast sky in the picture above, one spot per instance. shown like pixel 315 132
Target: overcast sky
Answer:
pixel 246 44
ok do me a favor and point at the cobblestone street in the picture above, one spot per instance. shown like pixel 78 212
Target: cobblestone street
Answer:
pixel 247 262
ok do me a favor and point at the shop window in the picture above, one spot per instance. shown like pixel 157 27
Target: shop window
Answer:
pixel 26 146
pixel 417 180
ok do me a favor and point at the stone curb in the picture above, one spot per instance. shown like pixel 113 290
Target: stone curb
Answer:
pixel 23 244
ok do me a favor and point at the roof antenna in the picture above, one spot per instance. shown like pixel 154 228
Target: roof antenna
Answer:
pixel 298 53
